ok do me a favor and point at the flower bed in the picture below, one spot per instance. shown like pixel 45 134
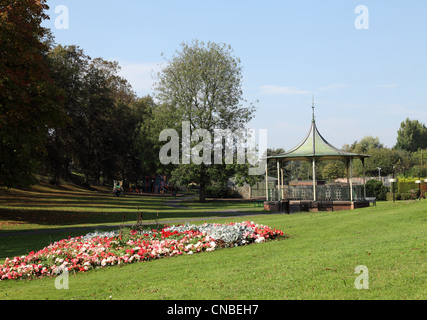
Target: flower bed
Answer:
pixel 101 249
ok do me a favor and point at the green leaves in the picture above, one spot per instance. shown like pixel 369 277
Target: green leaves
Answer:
pixel 411 136
pixel 202 84
pixel 29 101
pixel 103 114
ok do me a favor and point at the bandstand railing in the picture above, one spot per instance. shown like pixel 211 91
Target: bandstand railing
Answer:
pixel 323 193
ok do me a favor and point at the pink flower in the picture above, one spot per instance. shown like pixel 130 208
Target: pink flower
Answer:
pixel 80 255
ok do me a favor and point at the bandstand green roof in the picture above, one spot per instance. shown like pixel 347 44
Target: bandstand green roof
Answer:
pixel 315 146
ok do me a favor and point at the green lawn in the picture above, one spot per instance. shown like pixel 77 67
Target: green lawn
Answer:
pixel 317 262
pixel 47 207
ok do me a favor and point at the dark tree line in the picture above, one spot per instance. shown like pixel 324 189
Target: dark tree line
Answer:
pixel 30 103
pixel 64 114
pixel 103 116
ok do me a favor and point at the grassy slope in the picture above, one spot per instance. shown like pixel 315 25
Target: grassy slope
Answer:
pixel 47 207
pixel 318 262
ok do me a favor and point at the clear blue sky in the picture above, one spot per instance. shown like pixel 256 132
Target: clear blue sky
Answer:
pixel 364 81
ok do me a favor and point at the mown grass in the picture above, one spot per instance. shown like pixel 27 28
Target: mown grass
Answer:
pixel 48 207
pixel 318 261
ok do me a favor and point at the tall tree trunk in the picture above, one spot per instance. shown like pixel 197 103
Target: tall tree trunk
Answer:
pixel 203 183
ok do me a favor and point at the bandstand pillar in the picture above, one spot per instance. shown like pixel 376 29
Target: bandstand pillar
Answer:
pixel 314 180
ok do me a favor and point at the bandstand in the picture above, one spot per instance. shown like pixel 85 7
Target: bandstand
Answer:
pixel 315 197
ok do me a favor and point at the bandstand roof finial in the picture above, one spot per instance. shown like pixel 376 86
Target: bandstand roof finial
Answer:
pixel 312 106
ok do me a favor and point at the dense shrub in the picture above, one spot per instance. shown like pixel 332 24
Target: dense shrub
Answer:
pixel 220 192
pixel 375 188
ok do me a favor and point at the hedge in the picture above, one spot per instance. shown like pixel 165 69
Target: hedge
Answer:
pixel 375 188
pixel 406 187
pixel 405 196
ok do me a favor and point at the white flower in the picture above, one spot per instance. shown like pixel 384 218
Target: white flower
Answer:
pixel 199 244
pixel 260 239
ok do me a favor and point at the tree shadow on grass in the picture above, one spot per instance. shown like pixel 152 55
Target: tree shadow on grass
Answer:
pixel 33 211
pixel 58 219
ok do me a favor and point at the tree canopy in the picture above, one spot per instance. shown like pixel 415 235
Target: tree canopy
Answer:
pixel 411 136
pixel 202 84
pixel 103 119
pixel 30 103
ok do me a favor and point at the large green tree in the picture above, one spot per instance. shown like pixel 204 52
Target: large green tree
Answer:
pixel 411 136
pixel 389 160
pixel 366 144
pixel 332 169
pixel 68 65
pixel 29 100
pixel 202 84
pixel 102 119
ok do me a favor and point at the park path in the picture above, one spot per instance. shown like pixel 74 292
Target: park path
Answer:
pixel 175 203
